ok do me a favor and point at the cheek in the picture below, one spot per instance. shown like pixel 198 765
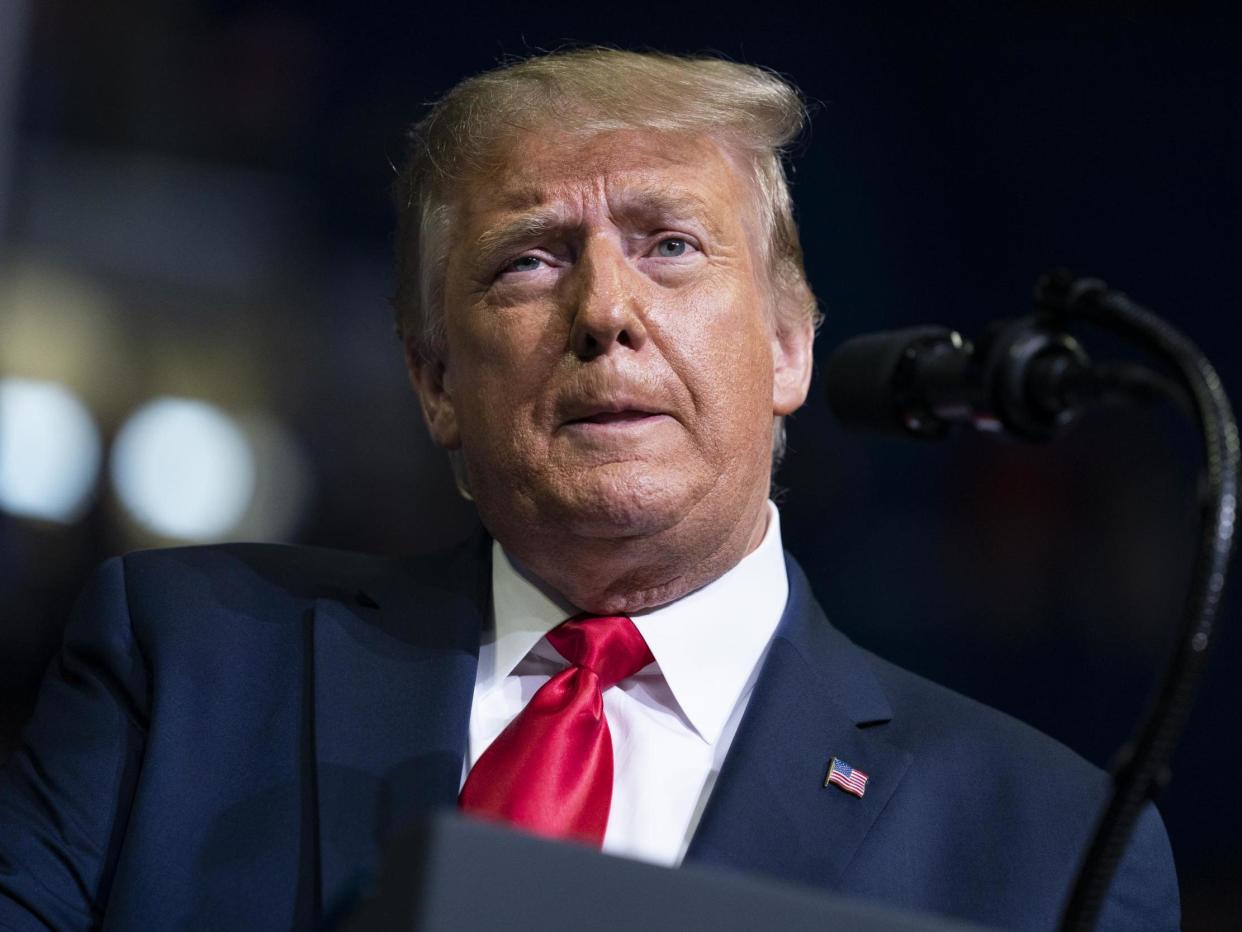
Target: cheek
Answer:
pixel 503 360
pixel 726 349
pixel 510 340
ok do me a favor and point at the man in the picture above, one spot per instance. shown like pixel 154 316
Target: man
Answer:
pixel 603 304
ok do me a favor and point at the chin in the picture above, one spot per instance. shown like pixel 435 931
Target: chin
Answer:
pixel 624 500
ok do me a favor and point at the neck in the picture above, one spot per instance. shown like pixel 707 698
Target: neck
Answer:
pixel 610 576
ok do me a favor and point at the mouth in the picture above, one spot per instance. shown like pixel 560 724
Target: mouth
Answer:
pixel 613 415
pixel 627 416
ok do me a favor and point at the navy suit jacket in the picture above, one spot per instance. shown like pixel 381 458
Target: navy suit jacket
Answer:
pixel 230 734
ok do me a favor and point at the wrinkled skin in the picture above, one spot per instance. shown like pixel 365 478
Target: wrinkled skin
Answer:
pixel 612 370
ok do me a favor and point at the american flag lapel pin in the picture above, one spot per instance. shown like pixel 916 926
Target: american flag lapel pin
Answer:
pixel 846 777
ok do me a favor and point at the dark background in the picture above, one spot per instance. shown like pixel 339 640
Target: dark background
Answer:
pixel 193 201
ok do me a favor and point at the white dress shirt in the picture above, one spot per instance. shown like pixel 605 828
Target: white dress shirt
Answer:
pixel 673 721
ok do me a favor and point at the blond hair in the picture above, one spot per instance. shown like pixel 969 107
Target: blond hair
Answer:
pixel 752 112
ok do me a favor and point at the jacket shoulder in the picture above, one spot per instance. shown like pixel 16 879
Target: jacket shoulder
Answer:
pixel 952 726
pixel 268 582
pixel 1006 780
pixel 300 572
pixel 295 570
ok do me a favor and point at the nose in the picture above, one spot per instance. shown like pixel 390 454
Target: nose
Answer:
pixel 608 306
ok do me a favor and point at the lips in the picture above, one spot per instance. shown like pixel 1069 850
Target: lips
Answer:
pixel 618 411
pixel 612 417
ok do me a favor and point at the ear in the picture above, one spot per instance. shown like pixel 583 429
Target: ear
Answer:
pixel 791 366
pixel 429 378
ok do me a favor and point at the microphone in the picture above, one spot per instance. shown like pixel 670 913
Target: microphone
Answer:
pixel 1025 377
pixel 1029 378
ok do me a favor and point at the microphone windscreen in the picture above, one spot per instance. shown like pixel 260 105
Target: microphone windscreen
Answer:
pixel 862 377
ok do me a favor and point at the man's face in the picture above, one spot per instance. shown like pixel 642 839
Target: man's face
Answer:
pixel 611 365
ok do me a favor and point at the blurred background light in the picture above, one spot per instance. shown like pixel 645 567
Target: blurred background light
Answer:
pixel 49 451
pixel 60 323
pixel 283 481
pixel 184 469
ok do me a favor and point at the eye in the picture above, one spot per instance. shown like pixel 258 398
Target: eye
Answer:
pixel 523 264
pixel 671 248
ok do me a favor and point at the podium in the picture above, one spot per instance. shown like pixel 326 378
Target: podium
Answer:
pixel 453 873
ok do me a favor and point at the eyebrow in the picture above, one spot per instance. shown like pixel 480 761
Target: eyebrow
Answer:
pixel 663 201
pixel 642 203
pixel 533 225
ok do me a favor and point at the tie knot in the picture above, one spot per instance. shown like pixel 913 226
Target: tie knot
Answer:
pixel 608 645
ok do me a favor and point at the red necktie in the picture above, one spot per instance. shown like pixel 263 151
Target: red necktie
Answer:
pixel 550 770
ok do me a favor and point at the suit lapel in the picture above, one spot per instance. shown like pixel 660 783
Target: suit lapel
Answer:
pixel 816 698
pixel 393 672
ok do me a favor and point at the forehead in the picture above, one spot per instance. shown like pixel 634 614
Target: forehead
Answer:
pixel 649 169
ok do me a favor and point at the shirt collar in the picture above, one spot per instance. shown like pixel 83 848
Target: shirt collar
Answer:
pixel 707 644
pixel 523 611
